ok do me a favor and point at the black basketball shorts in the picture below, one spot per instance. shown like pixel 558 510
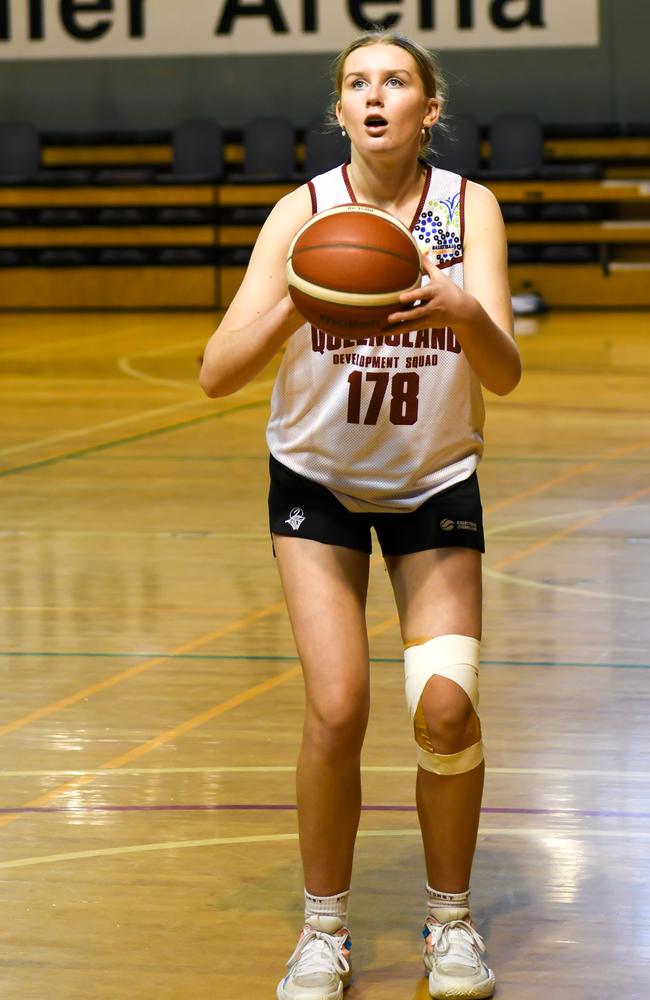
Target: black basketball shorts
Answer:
pixel 300 508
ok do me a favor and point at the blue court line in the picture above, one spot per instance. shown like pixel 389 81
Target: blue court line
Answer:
pixel 294 659
pixel 140 436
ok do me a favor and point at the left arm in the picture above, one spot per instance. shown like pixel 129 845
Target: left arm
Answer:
pixel 481 312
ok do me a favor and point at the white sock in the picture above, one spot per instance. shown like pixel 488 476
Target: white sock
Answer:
pixel 327 906
pixel 446 906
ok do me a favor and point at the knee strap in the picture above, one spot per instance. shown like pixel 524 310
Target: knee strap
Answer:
pixel 455 657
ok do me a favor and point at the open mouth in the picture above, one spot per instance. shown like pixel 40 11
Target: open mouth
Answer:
pixel 375 123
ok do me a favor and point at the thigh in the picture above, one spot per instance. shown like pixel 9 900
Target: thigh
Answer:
pixel 438 592
pixel 325 587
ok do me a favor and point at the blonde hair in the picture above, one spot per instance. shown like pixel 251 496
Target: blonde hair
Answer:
pixel 428 68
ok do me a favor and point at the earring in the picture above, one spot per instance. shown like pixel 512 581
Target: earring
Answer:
pixel 343 132
pixel 424 131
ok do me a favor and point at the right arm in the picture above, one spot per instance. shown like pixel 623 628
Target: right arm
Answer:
pixel 262 315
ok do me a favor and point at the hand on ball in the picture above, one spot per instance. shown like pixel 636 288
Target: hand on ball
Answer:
pixel 436 303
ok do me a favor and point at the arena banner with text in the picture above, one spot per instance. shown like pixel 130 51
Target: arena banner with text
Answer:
pixel 68 29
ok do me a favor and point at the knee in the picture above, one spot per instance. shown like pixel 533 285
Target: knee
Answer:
pixel 451 722
pixel 336 725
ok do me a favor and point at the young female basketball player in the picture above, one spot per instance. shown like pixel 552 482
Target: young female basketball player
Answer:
pixel 406 467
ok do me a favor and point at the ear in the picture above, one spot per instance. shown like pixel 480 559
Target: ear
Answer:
pixel 432 113
pixel 338 113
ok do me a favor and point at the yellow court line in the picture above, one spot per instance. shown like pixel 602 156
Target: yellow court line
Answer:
pixel 579 470
pixel 216 710
pixel 107 425
pixel 197 720
pixel 570 529
pixel 140 668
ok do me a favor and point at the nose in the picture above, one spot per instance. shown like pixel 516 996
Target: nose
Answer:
pixel 373 95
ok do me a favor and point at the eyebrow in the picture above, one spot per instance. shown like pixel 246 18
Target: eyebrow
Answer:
pixel 388 72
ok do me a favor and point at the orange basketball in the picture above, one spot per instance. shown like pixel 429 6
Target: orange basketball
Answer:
pixel 347 268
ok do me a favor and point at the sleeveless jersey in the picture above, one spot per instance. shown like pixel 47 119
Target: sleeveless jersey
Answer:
pixel 383 425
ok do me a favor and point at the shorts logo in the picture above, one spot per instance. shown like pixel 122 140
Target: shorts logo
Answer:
pixel 448 525
pixel 295 519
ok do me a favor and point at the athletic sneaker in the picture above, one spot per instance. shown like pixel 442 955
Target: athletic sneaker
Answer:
pixel 452 957
pixel 319 968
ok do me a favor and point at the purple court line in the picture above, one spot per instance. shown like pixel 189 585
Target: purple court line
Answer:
pixel 289 807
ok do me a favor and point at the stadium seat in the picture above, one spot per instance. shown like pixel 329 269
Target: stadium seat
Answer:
pixel 20 153
pixel 197 153
pixel 517 152
pixel 325 148
pixel 269 151
pixel 516 147
pixel 458 147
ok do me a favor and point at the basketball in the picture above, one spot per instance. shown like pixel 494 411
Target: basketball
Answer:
pixel 347 268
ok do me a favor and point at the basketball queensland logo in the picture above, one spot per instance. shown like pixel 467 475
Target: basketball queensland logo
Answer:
pixel 296 517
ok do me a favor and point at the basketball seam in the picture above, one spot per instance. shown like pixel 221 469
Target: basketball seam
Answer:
pixel 354 246
pixel 342 298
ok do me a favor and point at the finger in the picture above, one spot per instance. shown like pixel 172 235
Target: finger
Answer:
pixel 406 320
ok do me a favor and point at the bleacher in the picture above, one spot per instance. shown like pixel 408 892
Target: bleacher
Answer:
pixel 153 220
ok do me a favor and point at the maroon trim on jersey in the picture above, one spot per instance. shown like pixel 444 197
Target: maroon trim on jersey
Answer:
pixel 423 198
pixel 312 194
pixel 346 179
pixel 463 185
pixel 425 191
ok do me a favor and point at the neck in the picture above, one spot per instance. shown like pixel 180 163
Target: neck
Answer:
pixel 386 184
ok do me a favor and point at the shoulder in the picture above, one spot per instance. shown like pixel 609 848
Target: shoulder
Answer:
pixel 285 219
pixel 480 199
pixel 482 213
pixel 295 207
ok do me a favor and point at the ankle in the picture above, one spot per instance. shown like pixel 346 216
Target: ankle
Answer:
pixel 442 907
pixel 327 906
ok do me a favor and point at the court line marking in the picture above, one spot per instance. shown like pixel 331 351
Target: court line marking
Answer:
pixel 162 738
pixel 589 516
pixel 139 668
pixel 27 348
pixel 570 529
pixel 522 581
pixel 275 658
pixel 543 833
pixel 125 366
pixel 248 694
pixel 208 404
pixel 105 426
pixel 551 772
pixel 138 436
pixel 374 631
pixel 562 477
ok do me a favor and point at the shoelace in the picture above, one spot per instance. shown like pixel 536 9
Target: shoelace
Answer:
pixel 464 943
pixel 319 952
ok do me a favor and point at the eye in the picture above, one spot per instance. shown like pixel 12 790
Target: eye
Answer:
pixel 358 84
pixel 395 82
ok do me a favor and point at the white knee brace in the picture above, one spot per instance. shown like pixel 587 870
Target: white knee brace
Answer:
pixel 457 658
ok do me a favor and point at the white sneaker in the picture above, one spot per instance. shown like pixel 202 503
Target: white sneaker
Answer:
pixel 319 968
pixel 452 957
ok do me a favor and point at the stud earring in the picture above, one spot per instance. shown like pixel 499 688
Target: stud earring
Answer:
pixel 343 132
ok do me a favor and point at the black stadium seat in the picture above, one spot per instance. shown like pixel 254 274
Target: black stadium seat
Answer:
pixel 325 148
pixel 269 151
pixel 198 154
pixel 457 147
pixel 20 153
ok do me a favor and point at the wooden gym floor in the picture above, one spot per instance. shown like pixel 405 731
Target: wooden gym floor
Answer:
pixel 151 697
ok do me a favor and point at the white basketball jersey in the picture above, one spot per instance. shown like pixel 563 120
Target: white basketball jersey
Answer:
pixel 384 425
